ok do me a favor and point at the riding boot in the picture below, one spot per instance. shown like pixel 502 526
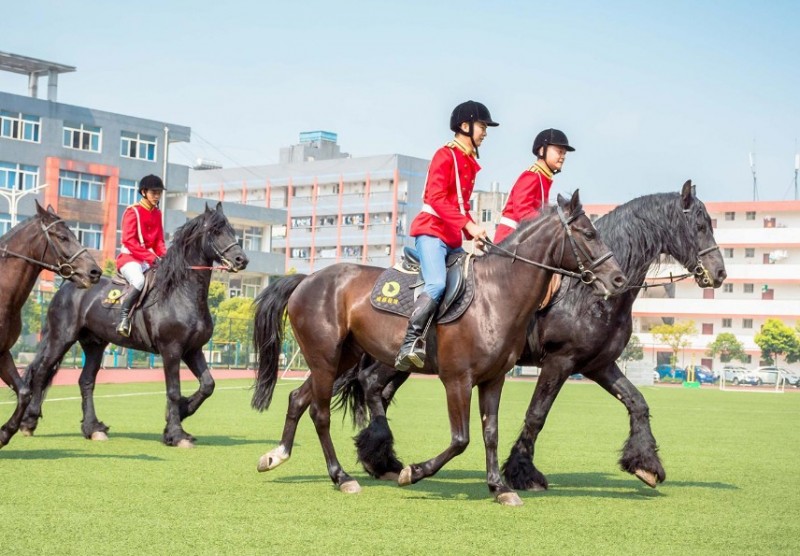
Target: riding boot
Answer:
pixel 412 350
pixel 124 326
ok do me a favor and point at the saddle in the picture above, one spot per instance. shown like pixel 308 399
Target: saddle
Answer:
pixel 119 288
pixel 398 287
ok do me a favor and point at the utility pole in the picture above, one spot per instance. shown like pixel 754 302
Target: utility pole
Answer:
pixel 753 170
pixel 14 196
pixel 796 169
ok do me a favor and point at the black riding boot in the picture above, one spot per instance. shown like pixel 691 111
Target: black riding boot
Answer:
pixel 412 350
pixel 124 327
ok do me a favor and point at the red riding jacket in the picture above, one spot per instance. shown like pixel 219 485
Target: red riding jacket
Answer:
pixel 142 235
pixel 526 198
pixel 445 209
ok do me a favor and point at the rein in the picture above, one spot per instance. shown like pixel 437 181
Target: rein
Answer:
pixel 585 275
pixel 63 268
pixel 227 265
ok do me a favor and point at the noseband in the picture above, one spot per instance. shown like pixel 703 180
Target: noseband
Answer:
pixel 586 274
pixel 63 266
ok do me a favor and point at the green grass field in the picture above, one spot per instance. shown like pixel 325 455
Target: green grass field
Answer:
pixel 733 481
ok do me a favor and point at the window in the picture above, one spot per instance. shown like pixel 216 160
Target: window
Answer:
pixel 727 252
pixel 87 187
pixel 18 176
pixel 90 235
pixel 127 193
pixel 708 328
pixel 251 238
pixel 82 136
pixel 21 127
pixel 5 223
pixel 747 323
pixel 730 216
pixel 748 288
pixel 136 145
pixel 749 252
pixel 727 288
pixel 486 215
pixel 750 215
pixel 251 286
pixel 727 323
pixel 299 253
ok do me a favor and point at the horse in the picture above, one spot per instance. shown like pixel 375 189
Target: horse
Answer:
pixel 173 321
pixel 43 241
pixel 577 333
pixel 334 323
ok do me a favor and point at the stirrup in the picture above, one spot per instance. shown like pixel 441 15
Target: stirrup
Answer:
pixel 123 330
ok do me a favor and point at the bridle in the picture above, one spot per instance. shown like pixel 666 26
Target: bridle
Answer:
pixel 586 274
pixel 63 266
pixel 220 255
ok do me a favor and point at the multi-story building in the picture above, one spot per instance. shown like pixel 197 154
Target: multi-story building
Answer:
pixel 86 164
pixel 338 208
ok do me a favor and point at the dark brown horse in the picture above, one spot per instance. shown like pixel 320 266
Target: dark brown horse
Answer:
pixel 334 323
pixel 174 321
pixel 43 241
pixel 639 232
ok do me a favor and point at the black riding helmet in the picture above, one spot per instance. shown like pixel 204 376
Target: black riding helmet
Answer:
pixel 550 137
pixel 152 183
pixel 470 112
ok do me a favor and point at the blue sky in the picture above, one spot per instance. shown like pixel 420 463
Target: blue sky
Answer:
pixel 650 94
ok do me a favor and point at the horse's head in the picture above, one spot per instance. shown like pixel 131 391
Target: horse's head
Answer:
pixel 63 252
pixel 219 240
pixel 697 250
pixel 587 254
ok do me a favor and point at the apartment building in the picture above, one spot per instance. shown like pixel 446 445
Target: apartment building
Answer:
pixel 338 208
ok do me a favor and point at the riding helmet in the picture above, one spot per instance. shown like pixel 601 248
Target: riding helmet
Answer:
pixel 551 137
pixel 151 183
pixel 470 111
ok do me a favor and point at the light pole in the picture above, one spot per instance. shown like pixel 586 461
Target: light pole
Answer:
pixel 14 196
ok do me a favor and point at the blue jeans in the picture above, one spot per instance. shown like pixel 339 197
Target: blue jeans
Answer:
pixel 432 253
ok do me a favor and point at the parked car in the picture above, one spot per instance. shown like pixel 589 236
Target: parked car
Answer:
pixel 769 375
pixel 669 372
pixel 734 374
pixel 656 377
pixel 702 374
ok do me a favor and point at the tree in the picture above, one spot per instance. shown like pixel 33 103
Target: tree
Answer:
pixel 676 336
pixel 776 339
pixel 31 315
pixel 727 347
pixel 217 293
pixel 632 352
pixel 109 267
pixel 234 320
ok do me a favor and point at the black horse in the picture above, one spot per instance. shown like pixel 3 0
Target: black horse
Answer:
pixel 43 241
pixel 577 333
pixel 173 321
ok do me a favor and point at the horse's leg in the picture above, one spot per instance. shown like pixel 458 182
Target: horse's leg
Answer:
pixel 39 375
pixel 90 426
pixel 519 470
pixel 196 362
pixel 459 393
pixel 375 443
pixel 299 400
pixel 174 435
pixel 9 374
pixel 640 453
pixel 489 399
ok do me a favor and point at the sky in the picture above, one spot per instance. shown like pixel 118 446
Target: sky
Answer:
pixel 649 93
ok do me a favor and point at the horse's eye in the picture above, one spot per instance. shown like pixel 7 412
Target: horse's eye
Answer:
pixel 590 234
pixel 701 228
pixel 62 237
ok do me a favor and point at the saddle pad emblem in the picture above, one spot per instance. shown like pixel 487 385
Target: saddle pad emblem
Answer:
pixel 391 289
pixel 113 296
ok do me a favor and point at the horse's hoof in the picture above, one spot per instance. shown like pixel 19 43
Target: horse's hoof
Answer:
pixel 185 443
pixel 100 436
pixel 404 479
pixel 389 476
pixel 646 477
pixel 509 499
pixel 26 432
pixel 272 459
pixel 350 487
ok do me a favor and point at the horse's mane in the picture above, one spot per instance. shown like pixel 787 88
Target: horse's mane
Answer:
pixel 9 235
pixel 173 270
pixel 525 229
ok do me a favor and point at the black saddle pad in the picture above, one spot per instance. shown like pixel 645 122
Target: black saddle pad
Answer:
pixel 394 293
pixel 118 288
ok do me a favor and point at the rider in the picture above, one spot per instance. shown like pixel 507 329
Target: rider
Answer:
pixel 532 189
pixel 142 243
pixel 444 220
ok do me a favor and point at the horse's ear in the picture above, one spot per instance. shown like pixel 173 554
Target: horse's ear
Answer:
pixel 207 209
pixel 39 210
pixel 687 192
pixel 219 207
pixel 561 200
pixel 50 209
pixel 575 202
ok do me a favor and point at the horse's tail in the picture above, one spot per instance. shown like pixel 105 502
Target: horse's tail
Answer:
pixel 349 394
pixel 268 335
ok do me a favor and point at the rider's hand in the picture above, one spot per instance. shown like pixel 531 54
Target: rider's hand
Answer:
pixel 478 233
